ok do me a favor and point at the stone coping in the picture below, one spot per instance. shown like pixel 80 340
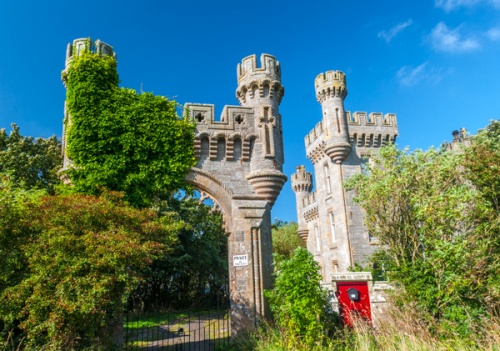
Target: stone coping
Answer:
pixel 351 277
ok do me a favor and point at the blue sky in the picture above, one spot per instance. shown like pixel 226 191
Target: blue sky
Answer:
pixel 435 63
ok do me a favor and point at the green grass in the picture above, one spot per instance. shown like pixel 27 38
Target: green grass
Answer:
pixel 144 330
pixel 154 319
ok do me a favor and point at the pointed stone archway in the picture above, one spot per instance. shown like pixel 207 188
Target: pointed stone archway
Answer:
pixel 248 224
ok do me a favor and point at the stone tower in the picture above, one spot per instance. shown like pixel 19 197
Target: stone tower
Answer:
pixel 240 159
pixel 339 146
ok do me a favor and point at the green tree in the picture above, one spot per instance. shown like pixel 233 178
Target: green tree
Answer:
pixel 437 229
pixel 71 263
pixel 482 163
pixel 121 140
pixel 199 257
pixel 31 163
pixel 298 302
pixel 285 239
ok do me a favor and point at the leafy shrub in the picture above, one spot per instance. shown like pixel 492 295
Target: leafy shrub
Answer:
pixel 435 213
pixel 298 301
pixel 71 262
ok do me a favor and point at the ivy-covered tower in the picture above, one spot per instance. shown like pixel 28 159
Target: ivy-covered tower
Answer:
pixel 339 146
pixel 73 50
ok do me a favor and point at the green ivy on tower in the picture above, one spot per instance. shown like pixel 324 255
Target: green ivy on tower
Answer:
pixel 122 140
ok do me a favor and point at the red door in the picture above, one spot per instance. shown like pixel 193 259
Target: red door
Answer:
pixel 354 301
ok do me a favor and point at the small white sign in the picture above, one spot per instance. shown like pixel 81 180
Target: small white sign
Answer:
pixel 240 260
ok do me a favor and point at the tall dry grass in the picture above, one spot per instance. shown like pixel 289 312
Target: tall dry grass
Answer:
pixel 405 330
pixel 398 330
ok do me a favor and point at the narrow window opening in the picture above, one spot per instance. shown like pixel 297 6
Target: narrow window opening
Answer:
pixel 328 184
pixel 267 139
pixel 204 147
pixel 318 241
pixel 335 266
pixel 221 149
pixel 338 120
pixel 250 152
pixel 332 227
pixel 237 149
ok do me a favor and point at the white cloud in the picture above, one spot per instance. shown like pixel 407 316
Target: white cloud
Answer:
pixel 408 76
pixel 391 33
pixel 450 40
pixel 450 5
pixel 493 34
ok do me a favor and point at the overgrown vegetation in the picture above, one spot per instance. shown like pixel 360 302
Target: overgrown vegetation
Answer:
pixel 71 260
pixel 285 239
pixel 196 268
pixel 122 140
pixel 69 263
pixel 31 163
pixel 299 303
pixel 436 215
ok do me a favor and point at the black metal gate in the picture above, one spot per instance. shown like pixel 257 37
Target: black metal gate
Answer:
pixel 205 327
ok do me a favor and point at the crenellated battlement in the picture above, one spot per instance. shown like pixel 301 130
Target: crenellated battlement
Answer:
pixel 310 206
pixel 269 68
pixel 314 134
pixel 330 84
pixel 259 82
pixel 302 180
pixel 372 130
pixel 460 139
pixel 232 117
pixel 82 44
pixel 381 128
pixel 371 119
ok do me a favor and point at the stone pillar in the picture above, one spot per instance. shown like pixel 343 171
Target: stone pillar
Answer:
pixel 250 263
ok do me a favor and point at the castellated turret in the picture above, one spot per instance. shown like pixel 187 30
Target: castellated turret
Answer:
pixel 79 45
pixel 260 88
pixel 247 139
pixel 302 185
pixel 331 90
